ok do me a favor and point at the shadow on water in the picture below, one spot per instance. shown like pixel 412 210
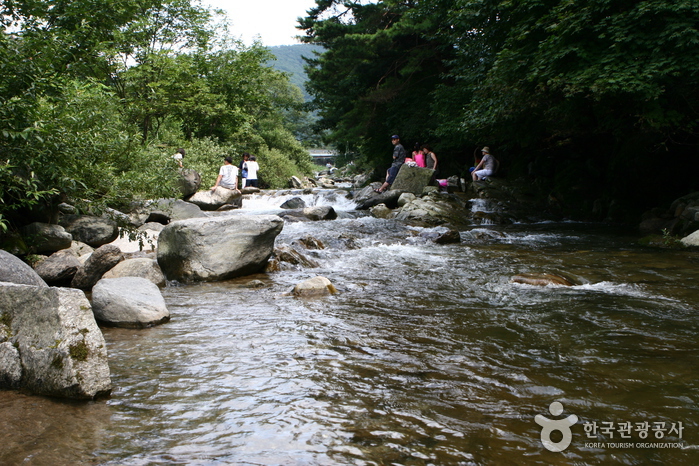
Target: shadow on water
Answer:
pixel 429 354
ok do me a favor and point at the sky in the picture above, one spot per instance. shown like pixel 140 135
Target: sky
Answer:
pixel 273 21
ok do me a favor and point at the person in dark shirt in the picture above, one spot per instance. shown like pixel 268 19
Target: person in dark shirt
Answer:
pixel 399 155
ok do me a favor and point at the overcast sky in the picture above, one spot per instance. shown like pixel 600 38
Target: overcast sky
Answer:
pixel 273 21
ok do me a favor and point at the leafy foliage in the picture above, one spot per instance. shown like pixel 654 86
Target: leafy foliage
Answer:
pixel 586 97
pixel 96 96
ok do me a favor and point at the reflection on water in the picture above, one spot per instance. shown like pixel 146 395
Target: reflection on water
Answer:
pixel 428 355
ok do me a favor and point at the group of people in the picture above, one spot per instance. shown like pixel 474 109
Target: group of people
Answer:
pixel 422 156
pixel 228 173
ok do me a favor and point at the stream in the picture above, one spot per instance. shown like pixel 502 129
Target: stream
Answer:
pixel 427 355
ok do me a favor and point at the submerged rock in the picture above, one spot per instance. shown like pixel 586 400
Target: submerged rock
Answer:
pixel 541 279
pixel 316 286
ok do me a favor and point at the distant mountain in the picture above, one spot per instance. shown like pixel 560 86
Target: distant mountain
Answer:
pixel 290 60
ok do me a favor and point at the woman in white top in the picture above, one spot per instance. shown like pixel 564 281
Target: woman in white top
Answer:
pixel 227 175
pixel 252 168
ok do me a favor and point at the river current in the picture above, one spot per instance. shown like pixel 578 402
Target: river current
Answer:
pixel 428 355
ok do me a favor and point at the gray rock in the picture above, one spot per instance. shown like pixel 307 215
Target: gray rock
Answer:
pixel 81 249
pixel 13 270
pixel 294 203
pixel 412 179
pixel 189 182
pixel 212 200
pixel 448 237
pixel 295 183
pixel 129 302
pixel 406 198
pixel 316 286
pixel 43 237
pixel 102 260
pixel 320 213
pixel 691 240
pixel 54 341
pixel 380 211
pixel 292 256
pixel 59 268
pixel 94 231
pixel 209 249
pixel 435 209
pixel 139 267
pixel 367 198
pixel 164 211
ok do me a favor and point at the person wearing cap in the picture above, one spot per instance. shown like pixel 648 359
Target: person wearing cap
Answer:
pixel 399 155
pixel 227 175
pixel 486 167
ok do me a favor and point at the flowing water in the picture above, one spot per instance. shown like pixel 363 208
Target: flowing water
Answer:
pixel 427 355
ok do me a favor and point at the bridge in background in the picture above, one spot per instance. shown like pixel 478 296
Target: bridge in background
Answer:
pixel 322 156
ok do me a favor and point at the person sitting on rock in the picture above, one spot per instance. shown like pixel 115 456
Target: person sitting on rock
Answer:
pixel 399 156
pixel 227 175
pixel 487 167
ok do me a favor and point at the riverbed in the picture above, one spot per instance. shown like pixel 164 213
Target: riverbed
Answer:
pixel 427 355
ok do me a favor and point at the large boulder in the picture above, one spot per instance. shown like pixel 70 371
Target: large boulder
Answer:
pixel 129 302
pixel 44 237
pixel 59 268
pixel 13 270
pixel 189 182
pixel 50 343
pixel 213 200
pixel 435 209
pixel 412 179
pixel 210 249
pixel 94 231
pixel 142 267
pixel 99 262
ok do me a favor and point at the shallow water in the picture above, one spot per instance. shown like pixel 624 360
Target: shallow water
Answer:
pixel 427 355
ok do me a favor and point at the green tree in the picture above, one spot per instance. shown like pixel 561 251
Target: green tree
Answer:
pixel 380 64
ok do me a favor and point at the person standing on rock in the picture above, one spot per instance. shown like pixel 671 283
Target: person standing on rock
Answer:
pixel 243 170
pixel 430 158
pixel 252 167
pixel 399 156
pixel 227 175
